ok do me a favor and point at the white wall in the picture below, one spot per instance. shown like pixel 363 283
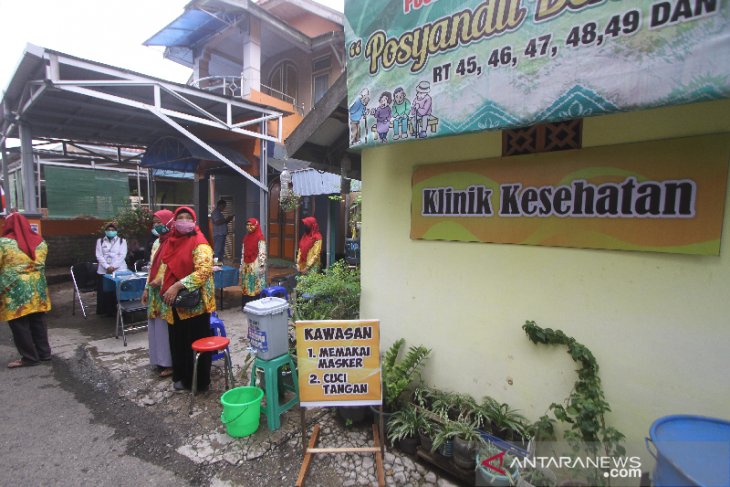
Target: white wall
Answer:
pixel 658 324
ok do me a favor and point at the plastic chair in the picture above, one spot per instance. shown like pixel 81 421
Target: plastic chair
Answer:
pixel 219 330
pixel 272 374
pixel 275 291
pixel 129 300
pixel 84 278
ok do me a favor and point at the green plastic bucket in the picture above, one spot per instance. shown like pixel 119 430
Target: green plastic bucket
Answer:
pixel 241 410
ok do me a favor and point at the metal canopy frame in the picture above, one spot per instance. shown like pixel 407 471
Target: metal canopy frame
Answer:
pixel 60 96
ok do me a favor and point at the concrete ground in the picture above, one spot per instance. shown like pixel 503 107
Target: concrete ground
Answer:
pixel 121 389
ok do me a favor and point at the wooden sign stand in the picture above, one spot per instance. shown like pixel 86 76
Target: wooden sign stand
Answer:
pixel 310 449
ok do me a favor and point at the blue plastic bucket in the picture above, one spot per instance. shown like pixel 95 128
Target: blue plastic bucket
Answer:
pixel 690 451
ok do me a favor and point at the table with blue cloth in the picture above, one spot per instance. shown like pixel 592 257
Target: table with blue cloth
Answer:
pixel 227 276
pixel 112 280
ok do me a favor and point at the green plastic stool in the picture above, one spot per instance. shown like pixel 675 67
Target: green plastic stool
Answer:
pixel 272 375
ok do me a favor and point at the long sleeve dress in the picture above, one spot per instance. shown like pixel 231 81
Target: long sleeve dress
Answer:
pixel 253 274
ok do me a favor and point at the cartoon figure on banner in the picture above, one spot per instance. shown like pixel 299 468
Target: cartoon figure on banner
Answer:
pixel 421 109
pixel 383 116
pixel 401 111
pixel 358 114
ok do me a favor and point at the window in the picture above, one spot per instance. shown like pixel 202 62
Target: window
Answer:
pixel 320 83
pixel 284 81
pixel 320 77
pixel 545 137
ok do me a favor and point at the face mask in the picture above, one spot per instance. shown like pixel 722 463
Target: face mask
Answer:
pixel 184 226
pixel 111 233
pixel 160 229
pixel 154 232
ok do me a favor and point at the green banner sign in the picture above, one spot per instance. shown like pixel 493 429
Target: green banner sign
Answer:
pixel 428 68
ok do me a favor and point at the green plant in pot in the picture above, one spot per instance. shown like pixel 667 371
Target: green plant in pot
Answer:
pixel 423 396
pixel 508 424
pixel 443 439
pixel 445 404
pixel 426 432
pixel 483 413
pixel 490 476
pixel 467 441
pixel 399 374
pixel 403 428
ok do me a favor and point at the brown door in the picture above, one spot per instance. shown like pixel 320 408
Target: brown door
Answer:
pixel 282 225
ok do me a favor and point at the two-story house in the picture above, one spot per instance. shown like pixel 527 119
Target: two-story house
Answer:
pixel 285 54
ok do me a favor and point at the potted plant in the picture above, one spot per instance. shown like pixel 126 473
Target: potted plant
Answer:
pixel 426 432
pixel 443 404
pixel 467 441
pixel 403 428
pixel 492 476
pixel 423 396
pixel 443 439
pixel 483 413
pixel 507 423
pixel 399 374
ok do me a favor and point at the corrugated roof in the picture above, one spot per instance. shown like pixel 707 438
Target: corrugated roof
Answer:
pixel 311 182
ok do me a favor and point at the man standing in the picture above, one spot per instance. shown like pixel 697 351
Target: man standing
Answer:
pixel 220 229
pixel 421 108
pixel 358 112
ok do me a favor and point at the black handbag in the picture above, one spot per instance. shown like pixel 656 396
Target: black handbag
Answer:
pixel 187 299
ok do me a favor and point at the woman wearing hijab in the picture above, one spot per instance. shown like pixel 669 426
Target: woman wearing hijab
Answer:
pixel 310 246
pixel 253 262
pixel 158 334
pixel 188 261
pixel 24 296
pixel 111 250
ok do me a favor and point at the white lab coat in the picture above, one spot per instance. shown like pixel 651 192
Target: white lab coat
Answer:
pixel 111 253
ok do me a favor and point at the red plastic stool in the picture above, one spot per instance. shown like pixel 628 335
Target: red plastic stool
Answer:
pixel 210 344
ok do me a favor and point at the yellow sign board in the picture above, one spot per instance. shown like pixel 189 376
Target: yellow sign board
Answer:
pixel 339 363
pixel 661 196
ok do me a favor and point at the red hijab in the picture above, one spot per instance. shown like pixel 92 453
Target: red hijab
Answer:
pixel 165 216
pixel 309 238
pixel 251 242
pixel 18 228
pixel 177 253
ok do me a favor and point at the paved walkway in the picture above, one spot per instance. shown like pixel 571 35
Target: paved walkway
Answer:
pixel 205 441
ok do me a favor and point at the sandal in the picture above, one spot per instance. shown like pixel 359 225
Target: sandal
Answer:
pixel 17 363
pixel 166 373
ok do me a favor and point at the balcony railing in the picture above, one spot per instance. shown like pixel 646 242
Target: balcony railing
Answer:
pixel 231 86
pixel 222 85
